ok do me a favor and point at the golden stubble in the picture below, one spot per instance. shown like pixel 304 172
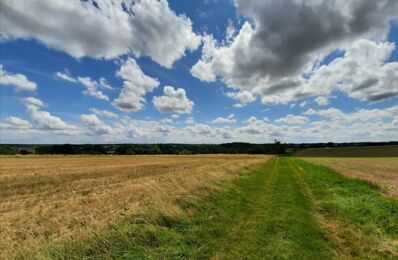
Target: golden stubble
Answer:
pixel 382 171
pixel 47 199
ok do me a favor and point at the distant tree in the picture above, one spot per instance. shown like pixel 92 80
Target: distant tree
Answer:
pixel 6 150
pixel 65 149
pixel 24 152
pixel 185 152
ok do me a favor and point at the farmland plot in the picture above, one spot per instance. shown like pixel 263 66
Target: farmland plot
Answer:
pixel 381 171
pixel 283 208
pixel 48 199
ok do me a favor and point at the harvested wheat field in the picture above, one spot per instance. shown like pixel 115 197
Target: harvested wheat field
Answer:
pixel 49 199
pixel 382 171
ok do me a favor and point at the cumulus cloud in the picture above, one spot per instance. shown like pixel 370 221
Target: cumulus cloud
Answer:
pixel 303 104
pixel 244 97
pixel 322 101
pixel 104 113
pixel 362 115
pixel 284 41
pixel 43 119
pixel 225 120
pixel 65 76
pixel 200 129
pixel 89 83
pixel 32 101
pixel 174 101
pixel 101 29
pixel 324 125
pixel 165 129
pixel 293 120
pixel 362 72
pixel 13 122
pixel 92 87
pixel 93 124
pixel 40 126
pixel 19 81
pixel 190 120
pixel 136 84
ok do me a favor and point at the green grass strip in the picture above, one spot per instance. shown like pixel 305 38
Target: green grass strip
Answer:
pixel 266 214
pixel 283 209
pixel 363 222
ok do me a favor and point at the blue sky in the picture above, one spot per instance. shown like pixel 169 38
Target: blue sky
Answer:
pixel 198 71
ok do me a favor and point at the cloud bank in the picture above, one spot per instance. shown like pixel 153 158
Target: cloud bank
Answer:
pixel 278 50
pixel 101 29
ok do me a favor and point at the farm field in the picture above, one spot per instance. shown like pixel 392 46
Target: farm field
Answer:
pixel 363 151
pixel 382 171
pixel 167 207
pixel 48 199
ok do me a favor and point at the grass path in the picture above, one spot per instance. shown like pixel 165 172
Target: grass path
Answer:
pixel 280 221
pixel 283 209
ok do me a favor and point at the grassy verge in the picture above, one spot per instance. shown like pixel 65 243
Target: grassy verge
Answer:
pixel 283 209
pixel 362 222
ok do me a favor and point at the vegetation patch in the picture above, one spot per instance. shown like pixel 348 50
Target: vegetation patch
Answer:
pixel 263 214
pixel 363 222
pixel 285 208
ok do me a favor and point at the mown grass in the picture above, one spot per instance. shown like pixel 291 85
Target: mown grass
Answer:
pixel 264 214
pixel 283 209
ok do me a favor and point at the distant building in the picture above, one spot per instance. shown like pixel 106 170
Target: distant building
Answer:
pixel 277 141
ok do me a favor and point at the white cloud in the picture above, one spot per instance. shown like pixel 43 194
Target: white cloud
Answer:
pixel 165 129
pixel 293 120
pixel 65 76
pixel 46 121
pixel 222 120
pixel 244 97
pixel 200 129
pixel 362 73
pixel 13 122
pixel 190 121
pixel 230 32
pixel 328 125
pixel 95 125
pixel 174 101
pixel 167 120
pixel 362 115
pixel 303 104
pixel 42 127
pixel 89 83
pixel 106 29
pixel 33 101
pixel 104 113
pixel 43 120
pixel 136 84
pixel 277 52
pixel 92 87
pixel 322 101
pixel 19 81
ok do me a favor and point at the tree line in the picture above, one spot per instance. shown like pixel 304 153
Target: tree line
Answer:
pixel 145 149
pixel 131 149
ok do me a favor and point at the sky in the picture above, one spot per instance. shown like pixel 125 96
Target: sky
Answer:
pixel 211 71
